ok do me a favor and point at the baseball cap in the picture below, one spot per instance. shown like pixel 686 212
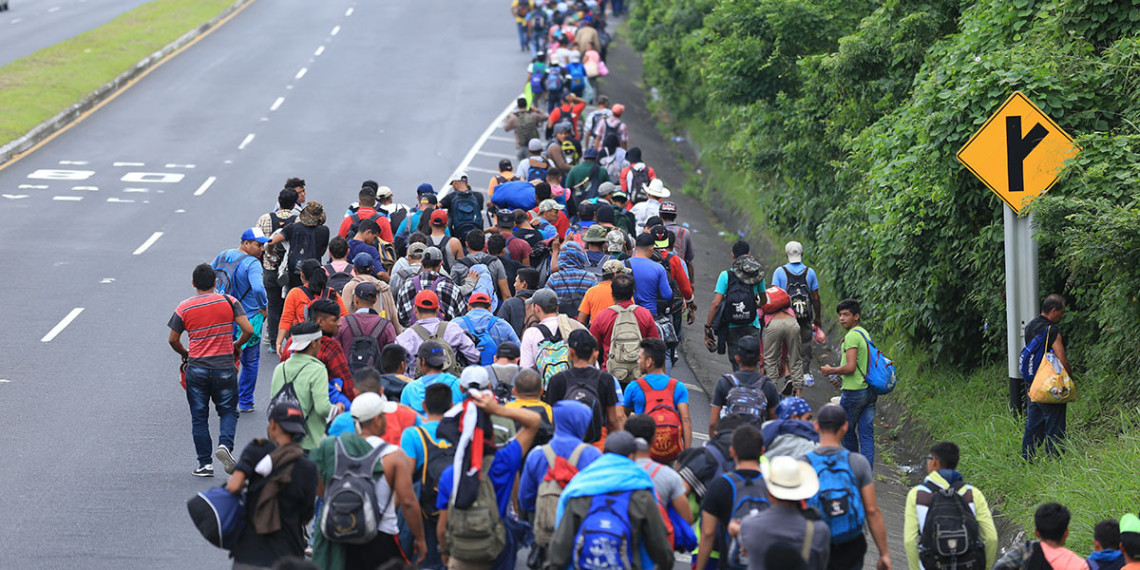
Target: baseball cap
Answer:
pixel 415 250
pixel 596 234
pixel 548 205
pixel 534 145
pixel 795 251
pixel 363 260
pixel 582 342
pixel 668 207
pixel 561 128
pixel 506 218
pixel 748 345
pixel 439 218
pixel 614 267
pixel 458 176
pixel 475 377
pixel 300 342
pixel 365 290
pixel 831 417
pixel 606 188
pixel 792 406
pixel 427 299
pixel 623 443
pixel 254 234
pixel 370 404
pixel 505 164
pixel 618 109
pixel 603 213
pixel 1129 523
pixel 615 241
pixel 432 353
pixel 661 235
pixel 590 153
pixel 479 297
pixel 432 254
pixel 788 478
pixel 289 417
pixel 645 240
pixel 620 194
pixel 427 200
pixel 545 299
pixel 653 221
pixel 508 349
pixel 425 188
pixel 383 192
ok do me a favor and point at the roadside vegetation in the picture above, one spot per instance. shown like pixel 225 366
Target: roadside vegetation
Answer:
pixel 36 88
pixel 837 123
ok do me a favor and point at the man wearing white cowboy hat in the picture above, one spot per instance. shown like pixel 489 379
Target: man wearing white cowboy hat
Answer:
pixel 644 210
pixel 789 483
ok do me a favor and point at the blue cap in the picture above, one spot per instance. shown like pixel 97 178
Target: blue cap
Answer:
pixel 254 234
pixel 590 153
pixel 425 188
pixel 363 259
pixel 789 407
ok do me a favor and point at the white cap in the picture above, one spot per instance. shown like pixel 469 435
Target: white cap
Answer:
pixel 475 376
pixel 786 478
pixel 300 342
pixel 370 404
pixel 795 251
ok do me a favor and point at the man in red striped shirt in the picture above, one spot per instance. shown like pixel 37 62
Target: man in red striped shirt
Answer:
pixel 208 320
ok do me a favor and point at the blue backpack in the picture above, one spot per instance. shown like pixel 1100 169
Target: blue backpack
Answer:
pixel 604 537
pixel 577 75
pixel 536 85
pixel 225 273
pixel 552 81
pixel 464 213
pixel 1032 355
pixel 880 373
pixel 749 496
pixel 219 515
pixel 517 194
pixel 839 500
pixel 482 339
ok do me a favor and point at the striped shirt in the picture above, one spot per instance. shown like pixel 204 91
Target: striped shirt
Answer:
pixel 208 320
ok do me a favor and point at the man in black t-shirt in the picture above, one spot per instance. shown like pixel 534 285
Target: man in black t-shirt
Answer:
pixel 747 357
pixel 717 507
pixel 1044 423
pixel 582 382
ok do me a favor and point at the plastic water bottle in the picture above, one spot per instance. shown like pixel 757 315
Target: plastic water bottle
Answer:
pixel 808 380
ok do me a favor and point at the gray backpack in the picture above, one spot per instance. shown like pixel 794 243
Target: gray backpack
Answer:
pixel 351 514
pixel 549 492
pixel 476 534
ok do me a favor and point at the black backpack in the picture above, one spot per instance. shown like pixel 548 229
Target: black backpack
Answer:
pixel 677 303
pixel 365 348
pixel 585 390
pixel 302 246
pixel 638 182
pixel 464 213
pixel 570 304
pixel 740 301
pixel 288 395
pixel 355 226
pixel 437 456
pixel 800 295
pixel 338 279
pixel 950 536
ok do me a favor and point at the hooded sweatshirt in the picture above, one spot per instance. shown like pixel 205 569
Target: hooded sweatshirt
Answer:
pixel 571 280
pixel 571 420
pixel 794 438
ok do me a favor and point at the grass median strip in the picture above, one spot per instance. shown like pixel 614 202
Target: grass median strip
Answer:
pixel 37 87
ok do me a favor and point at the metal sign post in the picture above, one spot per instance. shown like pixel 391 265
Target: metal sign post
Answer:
pixel 1021 296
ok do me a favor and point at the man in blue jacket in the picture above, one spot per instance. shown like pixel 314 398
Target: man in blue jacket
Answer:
pixel 242 267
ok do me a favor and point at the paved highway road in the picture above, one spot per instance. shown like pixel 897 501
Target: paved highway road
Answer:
pixel 31 25
pixel 102 226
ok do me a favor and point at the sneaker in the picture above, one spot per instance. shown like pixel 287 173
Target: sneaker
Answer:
pixel 223 454
pixel 808 380
pixel 203 471
pixel 246 410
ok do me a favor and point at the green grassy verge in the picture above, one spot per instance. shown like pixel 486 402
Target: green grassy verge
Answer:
pixel 36 88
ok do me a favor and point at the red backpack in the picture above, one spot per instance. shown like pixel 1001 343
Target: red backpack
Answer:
pixel 667 442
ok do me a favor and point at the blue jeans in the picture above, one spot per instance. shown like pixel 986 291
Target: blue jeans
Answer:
pixel 860 407
pixel 524 36
pixel 250 357
pixel 1044 423
pixel 219 385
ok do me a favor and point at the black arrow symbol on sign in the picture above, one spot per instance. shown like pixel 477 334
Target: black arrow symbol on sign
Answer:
pixel 1018 147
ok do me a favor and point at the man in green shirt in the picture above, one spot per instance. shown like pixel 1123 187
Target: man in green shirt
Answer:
pixel 857 399
pixel 310 381
pixel 584 176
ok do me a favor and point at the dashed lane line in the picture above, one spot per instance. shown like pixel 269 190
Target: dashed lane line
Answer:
pixel 319 51
pixel 335 31
pixel 58 328
pixel 205 185
pixel 146 244
pixel 128 164
pixel 67 198
pixel 349 11
pixel 245 143
pixel 301 73
pixel 277 104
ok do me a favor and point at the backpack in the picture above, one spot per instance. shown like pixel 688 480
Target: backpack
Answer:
pixel 625 345
pixel 608 130
pixel 338 279
pixel 483 340
pixel 552 80
pixel 740 301
pixel 355 225
pixel 776 300
pixel 604 536
pixel 749 496
pixel 553 355
pixel 365 348
pixel 328 293
pixel 302 246
pixel 558 475
pixel 667 442
pixel 437 456
pixel 288 395
pixel 568 305
pixel 536 172
pixel 638 182
pixel 880 373
pixel 219 515
pixel 477 534
pixel 677 303
pixel 450 362
pixel 565 115
pixel 1032 355
pixel 570 152
pixel 586 392
pixel 388 255
pixel 225 273
pixel 464 213
pixel 528 124
pixel 417 286
pixel 351 514
pixel 745 399
pixel 577 75
pixel 800 294
pixel 950 536
pixel 839 499
pixel 276 252
pixel 536 84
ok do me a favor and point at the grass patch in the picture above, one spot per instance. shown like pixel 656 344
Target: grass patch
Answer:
pixel 37 87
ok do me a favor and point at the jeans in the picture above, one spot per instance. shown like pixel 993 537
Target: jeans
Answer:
pixel 524 36
pixel 276 304
pixel 734 335
pixel 219 385
pixel 860 407
pixel 250 357
pixel 781 333
pixel 1044 423
pixel 619 7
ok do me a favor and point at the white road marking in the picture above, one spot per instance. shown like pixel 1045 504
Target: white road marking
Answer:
pixel 245 143
pixel 494 154
pixel 503 139
pixel 153 177
pixel 5 381
pixel 58 328
pixel 205 185
pixel 86 188
pixel 335 31
pixel 704 436
pixel 67 198
pixel 74 162
pixel 301 73
pixel 17 20
pixel 53 10
pixel 136 190
pixel 349 11
pixel 14 196
pixel 479 144
pixel 149 242
pixel 277 104
pixel 319 51
pixel 107 280
pixel 694 387
pixel 128 164
pixel 180 211
pixel 173 165
pixel 54 174
pixel 32 186
pixel 484 170
pixel 114 200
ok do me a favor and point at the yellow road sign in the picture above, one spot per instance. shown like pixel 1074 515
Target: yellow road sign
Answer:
pixel 1019 153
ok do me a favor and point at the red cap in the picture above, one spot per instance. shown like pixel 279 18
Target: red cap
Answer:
pixel 479 298
pixel 439 218
pixel 427 299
